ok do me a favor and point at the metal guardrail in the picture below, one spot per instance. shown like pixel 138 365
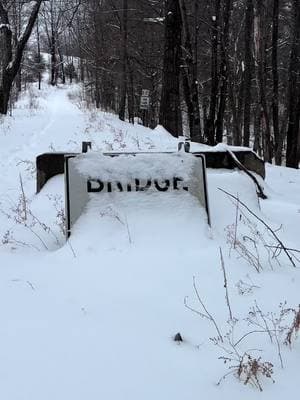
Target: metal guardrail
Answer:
pixel 52 164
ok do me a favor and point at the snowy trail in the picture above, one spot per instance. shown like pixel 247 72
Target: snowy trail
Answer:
pixel 57 117
pixel 29 133
pixel 59 108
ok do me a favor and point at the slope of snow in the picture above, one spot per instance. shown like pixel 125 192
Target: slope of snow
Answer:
pixel 96 317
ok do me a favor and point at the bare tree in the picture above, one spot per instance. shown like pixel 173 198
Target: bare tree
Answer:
pixel 124 60
pixel 58 16
pixel 293 142
pixel 210 123
pixel 223 70
pixel 170 111
pixel 248 38
pixel 11 54
pixel 189 75
pixel 275 101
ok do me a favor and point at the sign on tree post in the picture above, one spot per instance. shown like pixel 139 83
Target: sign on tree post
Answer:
pixel 145 105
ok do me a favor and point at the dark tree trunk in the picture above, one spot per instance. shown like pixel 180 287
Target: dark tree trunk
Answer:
pixel 123 83
pixel 97 35
pixel 195 69
pixel 5 89
pixel 257 146
pixel 275 107
pixel 170 111
pixel 6 57
pixel 232 101
pixel 189 74
pixel 248 71
pixel 130 94
pixel 82 69
pixel 223 72
pixel 292 150
pixel 38 50
pixel 210 125
pixel 53 79
pixel 261 78
pixel 17 26
pixel 52 39
pixel 62 66
pixel 97 88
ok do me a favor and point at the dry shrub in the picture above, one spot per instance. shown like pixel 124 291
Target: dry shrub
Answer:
pixel 294 328
pixel 249 370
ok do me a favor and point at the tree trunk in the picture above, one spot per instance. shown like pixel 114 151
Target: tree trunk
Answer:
pixel 189 73
pixel 232 101
pixel 261 77
pixel 223 72
pixel 5 89
pixel 257 147
pixel 275 107
pixel 170 112
pixel 248 71
pixel 38 51
pixel 97 87
pixel 62 66
pixel 123 84
pixel 6 52
pixel 53 44
pixel 210 126
pixel 294 94
pixel 130 89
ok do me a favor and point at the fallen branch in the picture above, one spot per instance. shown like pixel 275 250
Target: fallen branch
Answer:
pixel 240 166
pixel 206 314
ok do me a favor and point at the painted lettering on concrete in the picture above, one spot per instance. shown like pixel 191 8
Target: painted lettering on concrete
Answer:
pixel 138 185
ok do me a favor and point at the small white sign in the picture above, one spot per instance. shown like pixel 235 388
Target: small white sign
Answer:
pixel 145 92
pixel 145 103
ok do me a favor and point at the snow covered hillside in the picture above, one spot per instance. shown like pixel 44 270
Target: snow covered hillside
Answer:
pixel 96 317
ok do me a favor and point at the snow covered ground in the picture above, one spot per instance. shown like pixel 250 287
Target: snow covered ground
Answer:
pixel 95 318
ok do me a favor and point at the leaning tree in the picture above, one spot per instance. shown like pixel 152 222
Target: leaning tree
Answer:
pixel 11 51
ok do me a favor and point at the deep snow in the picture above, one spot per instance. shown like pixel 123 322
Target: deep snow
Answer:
pixel 95 318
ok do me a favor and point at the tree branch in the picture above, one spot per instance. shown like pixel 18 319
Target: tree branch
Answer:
pixel 13 68
pixel 264 223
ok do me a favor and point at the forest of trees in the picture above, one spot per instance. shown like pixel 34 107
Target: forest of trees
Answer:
pixel 216 70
